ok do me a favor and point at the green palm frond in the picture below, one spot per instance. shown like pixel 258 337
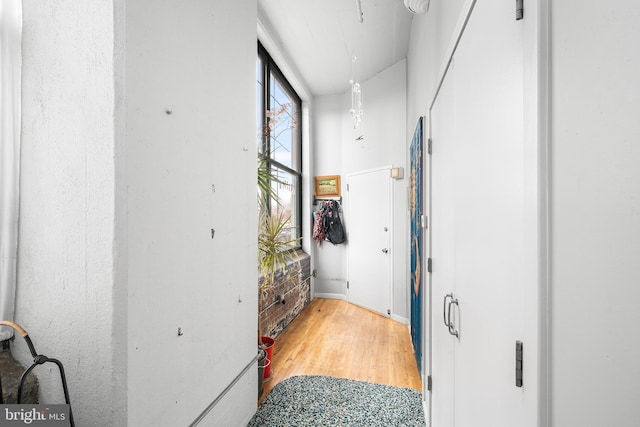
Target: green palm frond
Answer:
pixel 265 189
pixel 274 245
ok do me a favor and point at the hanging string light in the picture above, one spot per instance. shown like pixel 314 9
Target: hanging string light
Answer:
pixel 356 110
pixel 417 6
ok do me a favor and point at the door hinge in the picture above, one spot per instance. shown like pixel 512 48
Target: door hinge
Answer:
pixel 424 221
pixel 519 10
pixel 347 187
pixel 519 354
pixel 429 269
pixel 429 144
pixel 429 383
pixel 347 284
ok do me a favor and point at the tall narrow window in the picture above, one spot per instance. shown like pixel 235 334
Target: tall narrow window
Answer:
pixel 280 140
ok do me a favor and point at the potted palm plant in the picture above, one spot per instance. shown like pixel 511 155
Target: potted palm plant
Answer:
pixel 275 247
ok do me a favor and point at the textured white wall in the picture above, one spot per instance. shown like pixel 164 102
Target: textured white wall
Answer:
pixel 336 152
pixel 64 295
pixel 119 199
pixel 191 167
pixel 595 213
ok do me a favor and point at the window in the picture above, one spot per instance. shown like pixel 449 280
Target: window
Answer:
pixel 280 141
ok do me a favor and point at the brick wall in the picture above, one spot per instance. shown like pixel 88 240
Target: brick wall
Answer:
pixel 295 289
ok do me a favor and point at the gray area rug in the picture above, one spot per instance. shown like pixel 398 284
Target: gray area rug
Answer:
pixel 328 401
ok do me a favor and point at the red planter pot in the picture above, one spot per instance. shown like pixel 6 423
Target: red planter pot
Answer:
pixel 268 344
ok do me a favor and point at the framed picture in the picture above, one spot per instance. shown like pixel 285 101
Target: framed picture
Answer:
pixel 327 186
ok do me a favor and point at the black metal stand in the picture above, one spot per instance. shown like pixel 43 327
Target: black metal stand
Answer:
pixel 38 359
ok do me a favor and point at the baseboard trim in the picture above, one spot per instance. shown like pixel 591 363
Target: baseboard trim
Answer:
pixel 400 319
pixel 253 364
pixel 330 296
pixel 426 416
pixel 342 297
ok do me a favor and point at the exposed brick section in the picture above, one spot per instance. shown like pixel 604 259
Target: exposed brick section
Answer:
pixel 295 288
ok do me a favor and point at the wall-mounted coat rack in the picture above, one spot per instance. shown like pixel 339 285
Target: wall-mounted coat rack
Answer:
pixel 334 199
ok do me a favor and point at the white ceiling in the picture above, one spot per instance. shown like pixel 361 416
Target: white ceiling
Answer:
pixel 320 37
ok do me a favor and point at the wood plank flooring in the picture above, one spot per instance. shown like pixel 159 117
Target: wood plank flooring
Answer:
pixel 335 338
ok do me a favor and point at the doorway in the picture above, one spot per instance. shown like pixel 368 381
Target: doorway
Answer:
pixel 369 260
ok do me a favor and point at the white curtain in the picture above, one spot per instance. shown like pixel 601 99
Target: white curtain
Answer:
pixel 10 80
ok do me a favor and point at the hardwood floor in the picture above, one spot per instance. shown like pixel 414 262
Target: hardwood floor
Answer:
pixel 335 338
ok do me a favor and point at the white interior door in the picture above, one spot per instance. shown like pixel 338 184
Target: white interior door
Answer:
pixel 489 206
pixel 477 225
pixel 369 252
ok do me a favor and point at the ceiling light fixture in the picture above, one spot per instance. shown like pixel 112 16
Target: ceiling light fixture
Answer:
pixel 356 110
pixel 417 6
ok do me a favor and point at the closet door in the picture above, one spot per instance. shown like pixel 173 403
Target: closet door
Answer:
pixel 477 225
pixel 489 217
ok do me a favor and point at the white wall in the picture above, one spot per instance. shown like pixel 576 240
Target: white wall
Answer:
pixel 191 167
pixel 337 152
pixel 595 213
pixel 119 199
pixel 326 158
pixel 431 37
pixel 66 243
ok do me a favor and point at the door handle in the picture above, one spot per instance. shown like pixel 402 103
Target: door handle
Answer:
pixel 452 328
pixel 385 250
pixel 444 311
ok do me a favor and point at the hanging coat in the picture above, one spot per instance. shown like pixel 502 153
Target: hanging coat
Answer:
pixel 333 224
pixel 318 230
